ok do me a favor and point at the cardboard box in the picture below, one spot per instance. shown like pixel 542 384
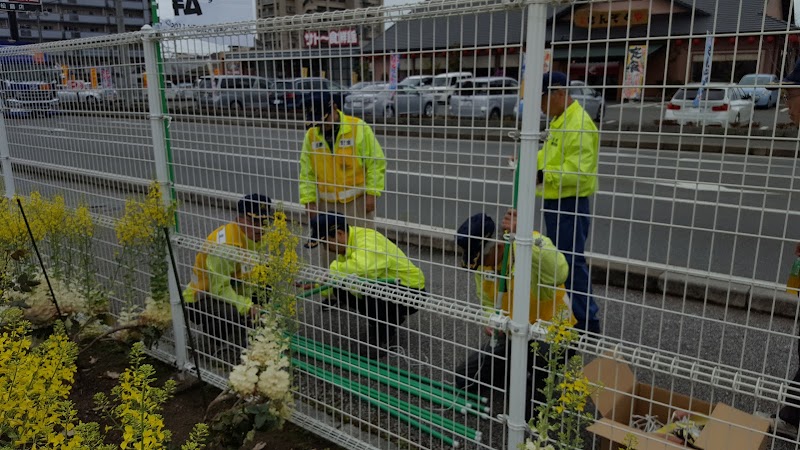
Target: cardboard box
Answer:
pixel 622 397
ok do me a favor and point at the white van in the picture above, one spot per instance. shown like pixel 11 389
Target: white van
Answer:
pixel 442 87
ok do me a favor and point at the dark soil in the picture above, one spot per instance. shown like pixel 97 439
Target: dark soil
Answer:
pixel 97 370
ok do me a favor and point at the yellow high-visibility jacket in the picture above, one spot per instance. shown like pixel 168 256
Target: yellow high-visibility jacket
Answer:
pixel 569 156
pixel 371 255
pixel 213 274
pixel 355 166
pixel 548 298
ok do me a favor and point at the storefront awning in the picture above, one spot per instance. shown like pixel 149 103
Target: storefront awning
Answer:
pixel 578 51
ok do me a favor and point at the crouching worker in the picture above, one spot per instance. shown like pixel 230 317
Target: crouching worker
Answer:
pixel 220 298
pixel 548 301
pixel 367 254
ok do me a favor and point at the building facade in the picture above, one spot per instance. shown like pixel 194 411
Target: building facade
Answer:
pixel 591 42
pixel 298 39
pixel 71 19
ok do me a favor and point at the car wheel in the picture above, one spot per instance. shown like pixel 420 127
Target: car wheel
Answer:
pixel 429 110
pixel 388 114
pixel 494 114
pixel 737 119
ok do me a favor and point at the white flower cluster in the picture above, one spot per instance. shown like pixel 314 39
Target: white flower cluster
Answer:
pixel 264 371
pixel 40 309
pixel 156 314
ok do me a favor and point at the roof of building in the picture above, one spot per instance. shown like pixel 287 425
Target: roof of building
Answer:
pixel 507 27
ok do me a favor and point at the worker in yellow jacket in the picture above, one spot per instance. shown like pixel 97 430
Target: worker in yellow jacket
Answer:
pixel 548 298
pixel 342 165
pixel 367 254
pixel 220 295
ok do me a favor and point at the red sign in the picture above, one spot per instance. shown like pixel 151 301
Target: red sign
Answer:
pixel 333 38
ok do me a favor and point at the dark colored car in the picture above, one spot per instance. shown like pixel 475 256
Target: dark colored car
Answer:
pixel 295 94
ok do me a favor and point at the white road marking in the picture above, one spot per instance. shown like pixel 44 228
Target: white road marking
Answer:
pixel 703 187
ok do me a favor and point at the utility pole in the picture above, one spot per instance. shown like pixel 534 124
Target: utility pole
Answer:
pixel 13 26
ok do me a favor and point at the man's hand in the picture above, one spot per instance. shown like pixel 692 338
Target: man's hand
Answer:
pixel 797 250
pixel 369 203
pixel 510 221
pixel 311 208
pixel 539 176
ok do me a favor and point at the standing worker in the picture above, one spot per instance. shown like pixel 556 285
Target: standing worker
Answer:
pixel 367 254
pixel 342 165
pixel 220 294
pixel 566 179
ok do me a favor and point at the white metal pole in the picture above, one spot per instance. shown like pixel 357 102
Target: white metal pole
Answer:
pixel 5 160
pixel 536 24
pixel 158 121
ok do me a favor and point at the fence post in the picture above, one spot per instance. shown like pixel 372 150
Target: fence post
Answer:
pixel 529 141
pixel 5 159
pixel 159 123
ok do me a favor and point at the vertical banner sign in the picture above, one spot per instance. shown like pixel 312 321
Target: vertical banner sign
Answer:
pixel 93 77
pixel 105 79
pixel 708 56
pixel 395 63
pixel 633 81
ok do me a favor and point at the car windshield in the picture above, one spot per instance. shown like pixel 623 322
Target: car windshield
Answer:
pixel 361 85
pixel 473 88
pixel 283 85
pixel 411 82
pixel 205 83
pixel 691 94
pixel 441 81
pixel 755 80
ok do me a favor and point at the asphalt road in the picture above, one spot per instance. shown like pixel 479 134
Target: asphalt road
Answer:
pixel 730 215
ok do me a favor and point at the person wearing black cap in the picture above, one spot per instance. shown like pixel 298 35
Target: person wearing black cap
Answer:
pixel 566 179
pixel 787 422
pixel 367 254
pixel 219 295
pixel 342 165
pixel 482 253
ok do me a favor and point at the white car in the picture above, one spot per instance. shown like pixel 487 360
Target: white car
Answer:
pixel 721 104
pixel 485 97
pixel 82 95
pixel 442 87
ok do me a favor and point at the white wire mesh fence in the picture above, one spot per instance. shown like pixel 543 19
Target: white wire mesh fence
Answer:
pixel 689 232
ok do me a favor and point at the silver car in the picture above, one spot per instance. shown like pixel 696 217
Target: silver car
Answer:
pixel 485 97
pixel 234 93
pixel 590 99
pixel 380 102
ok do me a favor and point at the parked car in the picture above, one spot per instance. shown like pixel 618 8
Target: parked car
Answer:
pixel 721 104
pixel 384 103
pixel 417 81
pixel 442 87
pixel 755 85
pixel 295 93
pixel 234 93
pixel 361 85
pixel 485 97
pixel 590 99
pixel 82 95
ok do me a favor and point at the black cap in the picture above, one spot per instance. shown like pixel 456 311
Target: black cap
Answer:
pixel 325 225
pixel 554 80
pixel 471 237
pixel 792 80
pixel 255 206
pixel 318 108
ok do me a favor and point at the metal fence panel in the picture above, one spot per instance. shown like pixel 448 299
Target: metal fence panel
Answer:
pixel 689 235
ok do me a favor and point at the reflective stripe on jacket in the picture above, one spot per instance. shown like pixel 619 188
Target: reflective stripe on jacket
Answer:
pixel 217 275
pixel 548 297
pixel 356 165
